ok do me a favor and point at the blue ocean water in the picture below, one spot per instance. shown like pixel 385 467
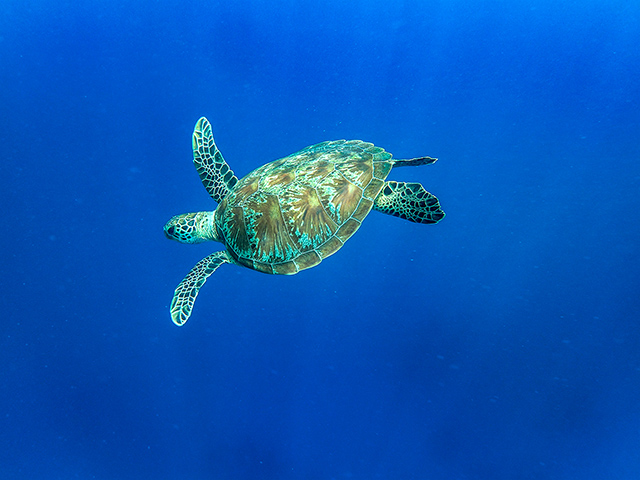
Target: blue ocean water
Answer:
pixel 502 343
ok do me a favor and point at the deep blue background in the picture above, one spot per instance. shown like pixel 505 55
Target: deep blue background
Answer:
pixel 503 343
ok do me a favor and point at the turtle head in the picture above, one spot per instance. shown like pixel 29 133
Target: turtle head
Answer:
pixel 192 228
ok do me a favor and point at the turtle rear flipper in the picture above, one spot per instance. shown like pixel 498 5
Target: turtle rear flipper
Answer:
pixel 214 172
pixel 409 201
pixel 186 293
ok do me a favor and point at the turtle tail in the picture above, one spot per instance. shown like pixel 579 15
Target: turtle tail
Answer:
pixel 413 162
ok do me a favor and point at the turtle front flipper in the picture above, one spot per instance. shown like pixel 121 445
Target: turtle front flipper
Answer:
pixel 214 172
pixel 409 201
pixel 186 293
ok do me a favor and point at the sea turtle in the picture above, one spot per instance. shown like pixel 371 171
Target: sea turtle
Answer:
pixel 290 214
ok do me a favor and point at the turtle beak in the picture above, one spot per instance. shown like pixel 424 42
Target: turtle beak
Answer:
pixel 169 232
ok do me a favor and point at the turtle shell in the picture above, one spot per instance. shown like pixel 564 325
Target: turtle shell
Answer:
pixel 290 214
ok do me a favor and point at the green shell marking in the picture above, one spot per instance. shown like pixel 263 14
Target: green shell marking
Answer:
pixel 290 214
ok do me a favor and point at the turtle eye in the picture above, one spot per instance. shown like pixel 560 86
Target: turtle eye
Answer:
pixel 171 230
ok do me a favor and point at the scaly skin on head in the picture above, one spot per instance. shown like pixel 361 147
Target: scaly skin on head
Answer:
pixel 192 228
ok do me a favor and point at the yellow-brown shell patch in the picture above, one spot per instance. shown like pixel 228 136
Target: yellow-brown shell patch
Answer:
pixel 266 230
pixel 307 220
pixel 339 196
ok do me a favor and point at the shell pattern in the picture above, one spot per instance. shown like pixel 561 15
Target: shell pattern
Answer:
pixel 290 214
